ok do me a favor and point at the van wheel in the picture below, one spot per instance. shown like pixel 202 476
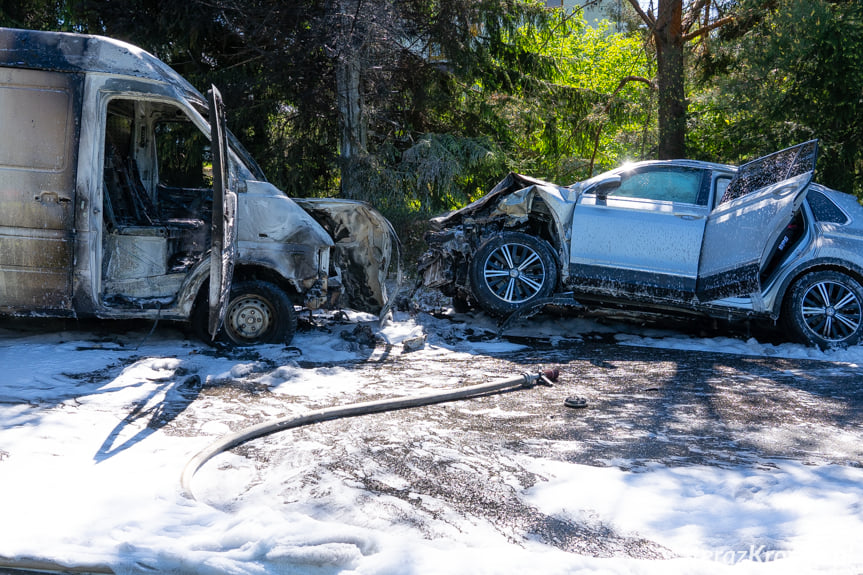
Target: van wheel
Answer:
pixel 511 270
pixel 825 309
pixel 258 312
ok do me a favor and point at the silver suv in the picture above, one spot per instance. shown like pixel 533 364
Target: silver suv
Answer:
pixel 759 241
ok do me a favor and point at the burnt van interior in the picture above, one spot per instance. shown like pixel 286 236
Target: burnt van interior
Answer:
pixel 157 201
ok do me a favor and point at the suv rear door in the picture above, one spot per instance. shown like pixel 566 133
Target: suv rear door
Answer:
pixel 758 203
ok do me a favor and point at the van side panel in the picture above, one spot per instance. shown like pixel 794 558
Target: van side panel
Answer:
pixel 39 113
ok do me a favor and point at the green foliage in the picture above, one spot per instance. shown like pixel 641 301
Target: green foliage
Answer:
pixel 602 112
pixel 797 74
pixel 454 92
pixel 439 170
pixel 38 15
pixel 546 88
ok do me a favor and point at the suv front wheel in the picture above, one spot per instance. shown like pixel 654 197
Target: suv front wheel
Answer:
pixel 510 270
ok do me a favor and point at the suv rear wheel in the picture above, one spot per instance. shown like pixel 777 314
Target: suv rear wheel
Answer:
pixel 825 309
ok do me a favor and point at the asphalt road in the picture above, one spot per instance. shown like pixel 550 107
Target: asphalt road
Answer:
pixel 439 467
pixel 645 407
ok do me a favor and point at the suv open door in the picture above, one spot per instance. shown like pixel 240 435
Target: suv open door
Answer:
pixel 757 205
pixel 224 237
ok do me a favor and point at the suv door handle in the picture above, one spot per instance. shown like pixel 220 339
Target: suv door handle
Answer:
pixel 689 217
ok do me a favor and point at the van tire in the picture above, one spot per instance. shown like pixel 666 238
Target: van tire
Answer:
pixel 258 312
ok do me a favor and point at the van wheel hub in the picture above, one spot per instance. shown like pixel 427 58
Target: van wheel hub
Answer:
pixel 249 316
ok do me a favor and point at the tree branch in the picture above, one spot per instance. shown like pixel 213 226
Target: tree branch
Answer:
pixel 626 79
pixel 694 13
pixel 705 29
pixel 651 23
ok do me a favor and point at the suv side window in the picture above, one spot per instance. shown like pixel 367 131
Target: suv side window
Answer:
pixel 667 184
pixel 721 186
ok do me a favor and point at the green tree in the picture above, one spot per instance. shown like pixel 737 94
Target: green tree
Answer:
pixel 610 71
pixel 38 15
pixel 794 74
pixel 541 93
pixel 671 28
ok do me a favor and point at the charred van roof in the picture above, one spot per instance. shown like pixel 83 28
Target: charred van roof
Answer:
pixel 63 51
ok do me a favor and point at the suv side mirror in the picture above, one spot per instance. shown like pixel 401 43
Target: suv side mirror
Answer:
pixel 605 186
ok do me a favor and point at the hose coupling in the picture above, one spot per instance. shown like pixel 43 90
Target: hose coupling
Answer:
pixel 544 377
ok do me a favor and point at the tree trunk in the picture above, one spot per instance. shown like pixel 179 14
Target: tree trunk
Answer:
pixel 349 101
pixel 353 133
pixel 672 97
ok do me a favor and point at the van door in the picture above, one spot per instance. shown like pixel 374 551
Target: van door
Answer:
pixel 157 203
pixel 224 239
pixel 38 156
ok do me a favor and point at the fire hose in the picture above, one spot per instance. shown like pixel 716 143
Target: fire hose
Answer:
pixel 232 440
pixel 526 380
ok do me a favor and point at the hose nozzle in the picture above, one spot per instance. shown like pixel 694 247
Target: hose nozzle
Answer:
pixel 544 377
pixel 549 375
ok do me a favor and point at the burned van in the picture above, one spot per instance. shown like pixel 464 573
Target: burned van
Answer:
pixel 122 195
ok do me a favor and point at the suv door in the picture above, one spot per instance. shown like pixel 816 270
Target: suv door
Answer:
pixel 643 236
pixel 758 203
pixel 224 237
